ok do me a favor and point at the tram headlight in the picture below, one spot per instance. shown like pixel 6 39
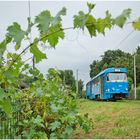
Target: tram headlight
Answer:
pixel 126 88
pixel 113 88
pixel 108 89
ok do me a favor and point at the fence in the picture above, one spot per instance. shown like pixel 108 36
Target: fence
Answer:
pixel 8 126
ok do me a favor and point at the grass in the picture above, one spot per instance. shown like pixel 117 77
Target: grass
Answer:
pixel 117 120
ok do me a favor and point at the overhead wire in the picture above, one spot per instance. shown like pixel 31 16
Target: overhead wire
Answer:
pixel 77 35
pixel 77 41
pixel 124 39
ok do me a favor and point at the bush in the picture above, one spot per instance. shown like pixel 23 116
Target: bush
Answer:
pixel 48 110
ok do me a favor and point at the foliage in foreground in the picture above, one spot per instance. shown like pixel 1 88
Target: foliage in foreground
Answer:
pixel 49 111
pixel 45 109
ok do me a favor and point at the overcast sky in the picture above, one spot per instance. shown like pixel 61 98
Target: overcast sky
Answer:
pixel 77 50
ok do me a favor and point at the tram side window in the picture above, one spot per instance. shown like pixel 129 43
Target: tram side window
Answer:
pixel 88 86
pixel 107 77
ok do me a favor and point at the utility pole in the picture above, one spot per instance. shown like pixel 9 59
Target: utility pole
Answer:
pixel 64 80
pixel 135 94
pixel 33 59
pixel 77 81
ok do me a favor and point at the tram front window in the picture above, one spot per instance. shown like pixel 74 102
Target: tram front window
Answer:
pixel 116 77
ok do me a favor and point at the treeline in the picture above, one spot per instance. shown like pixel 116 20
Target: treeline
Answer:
pixel 69 81
pixel 117 59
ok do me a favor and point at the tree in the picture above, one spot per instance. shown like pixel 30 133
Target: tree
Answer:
pixel 111 55
pixel 80 88
pixel 95 68
pixel 68 79
pixel 113 58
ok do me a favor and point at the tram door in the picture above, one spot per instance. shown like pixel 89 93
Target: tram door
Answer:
pixel 101 88
pixel 90 89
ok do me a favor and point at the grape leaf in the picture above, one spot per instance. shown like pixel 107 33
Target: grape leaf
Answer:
pixel 2 94
pixel 17 47
pixel 37 121
pixel 57 19
pixel 30 24
pixel 6 106
pixel 108 20
pixel 120 20
pixel 38 55
pixel 80 20
pixel 43 21
pixel 101 25
pixel 136 24
pixel 54 33
pixel 2 48
pixel 53 136
pixel 68 130
pixel 91 25
pixel 16 33
pixel 54 108
pixel 3 45
pixel 104 23
pixel 9 75
pixel 54 125
pixel 90 6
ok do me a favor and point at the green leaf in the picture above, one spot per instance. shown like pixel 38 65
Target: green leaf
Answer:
pixel 136 24
pixel 54 125
pixel 39 92
pixel 108 20
pixel 2 94
pixel 54 33
pixel 16 33
pixel 16 68
pixel 38 55
pixel 120 20
pixel 38 121
pixel 53 136
pixel 80 20
pixel 104 23
pixel 91 25
pixel 57 19
pixel 43 21
pixel 17 47
pixel 6 106
pixel 9 75
pixel 68 130
pixel 90 6
pixel 3 45
pixel 108 15
pixel 30 24
pixel 35 72
pixel 101 25
pixel 54 108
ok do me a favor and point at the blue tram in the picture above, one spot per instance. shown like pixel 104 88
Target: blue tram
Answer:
pixel 108 84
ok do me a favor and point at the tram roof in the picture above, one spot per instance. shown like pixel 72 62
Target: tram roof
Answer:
pixel 108 70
